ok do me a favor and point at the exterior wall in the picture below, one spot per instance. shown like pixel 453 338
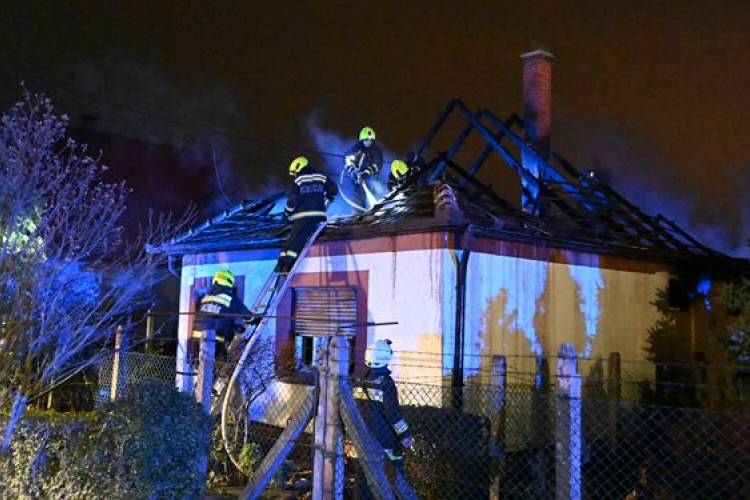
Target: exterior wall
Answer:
pixel 522 300
pixel 523 307
pixel 404 283
pixel 404 286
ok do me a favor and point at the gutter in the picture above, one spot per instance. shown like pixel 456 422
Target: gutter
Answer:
pixel 457 382
pixel 170 265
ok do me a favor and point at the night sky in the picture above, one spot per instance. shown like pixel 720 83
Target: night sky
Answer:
pixel 654 94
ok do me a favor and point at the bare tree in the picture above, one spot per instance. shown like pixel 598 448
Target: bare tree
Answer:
pixel 68 272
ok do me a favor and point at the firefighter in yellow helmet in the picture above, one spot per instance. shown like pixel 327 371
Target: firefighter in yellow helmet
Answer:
pixel 307 198
pixel 399 176
pixel 221 299
pixel 404 172
pixel 377 401
pixel 362 163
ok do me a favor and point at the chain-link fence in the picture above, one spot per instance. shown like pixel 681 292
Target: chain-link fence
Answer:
pixel 513 445
pixel 624 439
pixel 117 373
pixel 518 443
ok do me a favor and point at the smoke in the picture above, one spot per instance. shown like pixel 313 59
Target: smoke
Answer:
pixel 125 97
pixel 658 195
pixel 635 167
pixel 332 146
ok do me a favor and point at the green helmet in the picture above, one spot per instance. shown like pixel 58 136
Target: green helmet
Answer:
pixel 224 278
pixel 367 133
pixel 399 169
pixel 297 165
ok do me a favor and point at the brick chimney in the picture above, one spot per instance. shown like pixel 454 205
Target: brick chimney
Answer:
pixel 537 118
pixel 537 99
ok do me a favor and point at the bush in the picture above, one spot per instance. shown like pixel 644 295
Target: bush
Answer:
pixel 146 446
pixel 450 453
pixel 221 470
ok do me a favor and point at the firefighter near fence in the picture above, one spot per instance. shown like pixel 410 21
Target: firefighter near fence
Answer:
pixel 332 406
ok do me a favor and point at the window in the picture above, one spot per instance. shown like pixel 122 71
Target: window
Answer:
pixel 319 312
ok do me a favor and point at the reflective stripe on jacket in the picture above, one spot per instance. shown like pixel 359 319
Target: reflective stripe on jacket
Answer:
pixel 309 194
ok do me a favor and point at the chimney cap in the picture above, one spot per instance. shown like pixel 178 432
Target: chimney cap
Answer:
pixel 537 53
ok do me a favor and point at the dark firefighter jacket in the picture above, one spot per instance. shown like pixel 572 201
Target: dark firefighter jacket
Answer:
pixel 416 165
pixel 398 183
pixel 359 159
pixel 377 400
pixel 309 194
pixel 220 300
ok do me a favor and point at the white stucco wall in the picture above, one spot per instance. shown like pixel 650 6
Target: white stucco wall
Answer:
pixel 403 286
pixel 522 308
pixel 517 307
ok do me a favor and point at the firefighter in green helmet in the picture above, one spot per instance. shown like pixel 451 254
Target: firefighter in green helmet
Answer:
pixel 362 164
pixel 307 199
pixel 221 310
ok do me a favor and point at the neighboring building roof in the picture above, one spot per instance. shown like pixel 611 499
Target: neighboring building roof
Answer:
pixel 576 210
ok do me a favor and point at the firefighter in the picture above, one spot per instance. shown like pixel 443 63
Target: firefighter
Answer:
pixel 221 298
pixel 405 172
pixel 307 199
pixel 377 400
pixel 362 163
pixel 401 174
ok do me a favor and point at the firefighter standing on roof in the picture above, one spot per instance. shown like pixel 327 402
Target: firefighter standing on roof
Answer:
pixel 362 162
pixel 307 199
pixel 400 176
pixel 377 400
pixel 221 298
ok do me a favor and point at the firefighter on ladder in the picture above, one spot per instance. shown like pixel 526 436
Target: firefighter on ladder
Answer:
pixel 221 298
pixel 362 163
pixel 307 199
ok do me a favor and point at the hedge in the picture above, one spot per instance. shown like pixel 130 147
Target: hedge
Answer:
pixel 147 445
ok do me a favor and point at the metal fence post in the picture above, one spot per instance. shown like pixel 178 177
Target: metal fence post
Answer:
pixel 541 429
pixel 334 440
pixel 185 371
pixel 119 364
pixel 149 332
pixel 499 381
pixel 319 487
pixel 569 436
pixel 614 394
pixel 205 382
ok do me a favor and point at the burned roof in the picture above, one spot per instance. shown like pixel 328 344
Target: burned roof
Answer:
pixel 574 209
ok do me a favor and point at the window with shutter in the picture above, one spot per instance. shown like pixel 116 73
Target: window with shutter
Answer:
pixel 319 312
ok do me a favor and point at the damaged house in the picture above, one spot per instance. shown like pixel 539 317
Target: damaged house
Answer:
pixel 458 272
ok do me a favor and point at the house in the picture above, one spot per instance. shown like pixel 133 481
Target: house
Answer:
pixel 467 273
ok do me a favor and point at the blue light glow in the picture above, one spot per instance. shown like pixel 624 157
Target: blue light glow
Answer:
pixel 704 288
pixel 590 282
pixel 525 287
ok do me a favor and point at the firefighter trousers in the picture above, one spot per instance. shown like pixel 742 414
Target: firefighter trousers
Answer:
pixel 302 229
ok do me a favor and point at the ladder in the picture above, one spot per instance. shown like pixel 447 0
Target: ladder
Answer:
pixel 267 300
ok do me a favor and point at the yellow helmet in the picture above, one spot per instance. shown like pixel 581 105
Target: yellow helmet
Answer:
pixel 399 169
pixel 366 133
pixel 224 278
pixel 297 165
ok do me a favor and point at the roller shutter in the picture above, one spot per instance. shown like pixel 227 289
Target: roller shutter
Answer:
pixel 321 312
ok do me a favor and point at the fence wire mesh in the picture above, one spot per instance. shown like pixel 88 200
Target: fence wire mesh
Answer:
pixel 629 440
pixel 516 444
pixel 129 370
